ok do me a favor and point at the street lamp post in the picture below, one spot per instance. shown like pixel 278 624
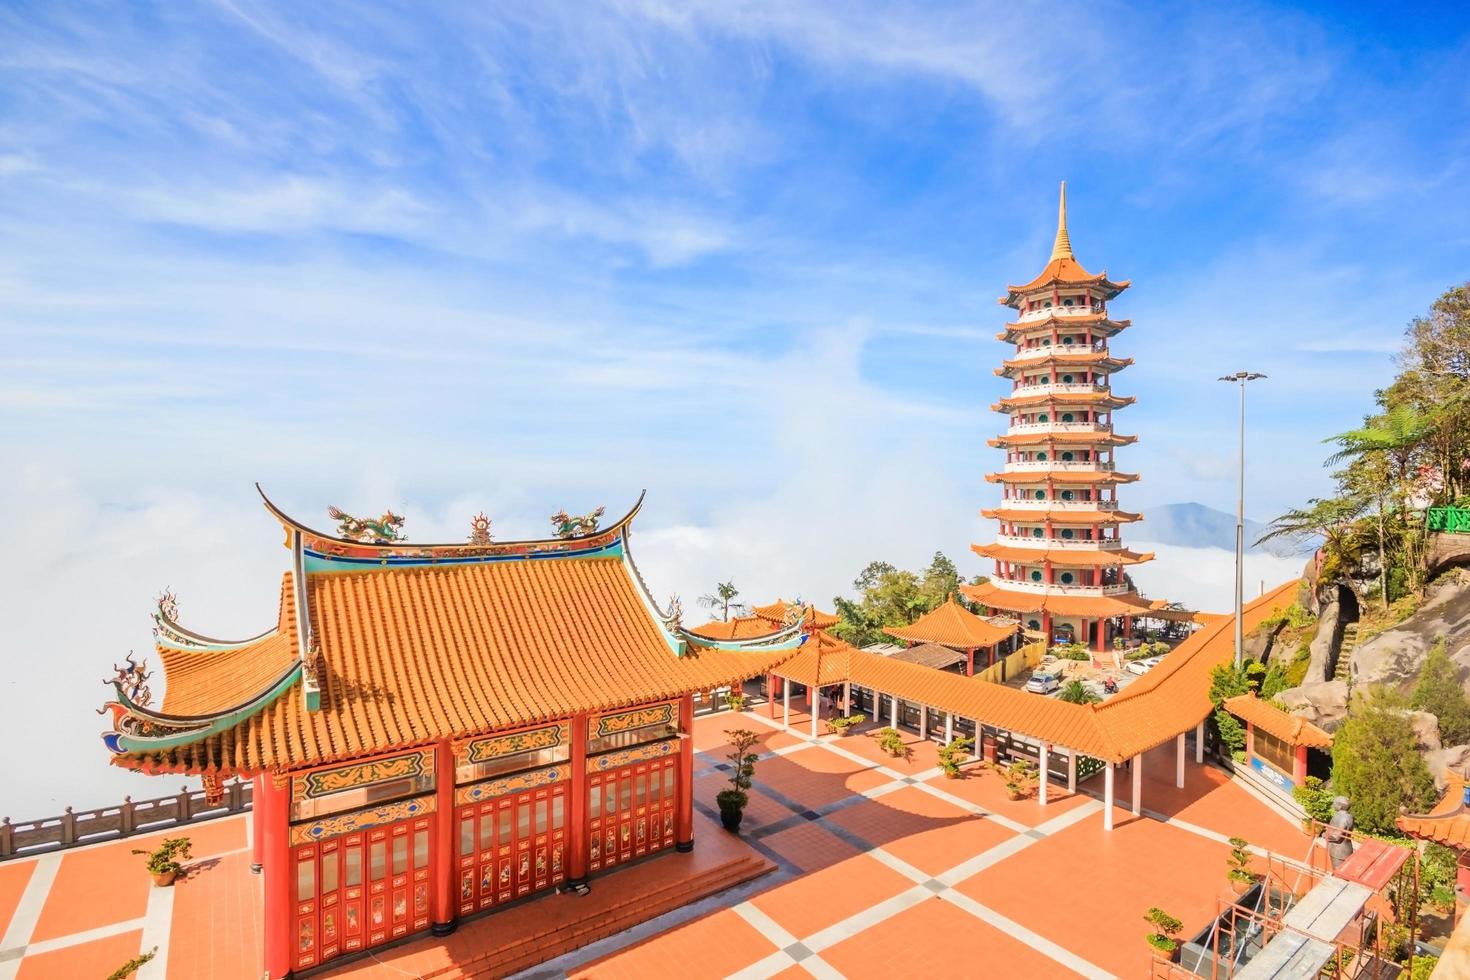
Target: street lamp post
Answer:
pixel 1240 378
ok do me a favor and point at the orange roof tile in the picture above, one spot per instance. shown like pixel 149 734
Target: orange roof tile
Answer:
pixel 1063 322
pixel 1101 398
pixel 811 618
pixel 998 597
pixel 1448 823
pixel 1061 439
pixel 1063 267
pixel 205 681
pixel 1098 359
pixel 1272 720
pixel 421 653
pixel 1086 477
pixel 1070 557
pixel 951 624
pixel 738 628
pixel 1059 515
pixel 821 652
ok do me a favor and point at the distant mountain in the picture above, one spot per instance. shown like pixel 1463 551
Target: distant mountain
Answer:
pixel 1197 526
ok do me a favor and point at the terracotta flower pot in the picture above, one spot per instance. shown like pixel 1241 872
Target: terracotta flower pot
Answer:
pixel 1240 887
pixel 162 879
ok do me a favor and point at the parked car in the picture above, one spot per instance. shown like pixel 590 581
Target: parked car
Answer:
pixel 1142 666
pixel 1043 682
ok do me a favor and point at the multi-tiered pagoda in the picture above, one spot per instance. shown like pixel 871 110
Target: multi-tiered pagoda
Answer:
pixel 1059 557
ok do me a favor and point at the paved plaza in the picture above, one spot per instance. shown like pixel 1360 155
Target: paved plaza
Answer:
pixel 884 867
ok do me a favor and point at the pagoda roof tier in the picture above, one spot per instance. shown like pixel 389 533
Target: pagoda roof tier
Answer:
pixel 1099 323
pixel 1069 477
pixel 823 659
pixel 367 659
pixel 737 628
pixel 1448 823
pixel 1096 399
pixel 1094 606
pixel 1270 719
pixel 782 612
pixel 1082 439
pixel 1099 359
pixel 1059 515
pixel 1069 557
pixel 1063 269
pixel 952 625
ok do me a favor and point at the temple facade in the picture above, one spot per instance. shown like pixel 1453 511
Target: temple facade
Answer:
pixel 438 731
pixel 1059 561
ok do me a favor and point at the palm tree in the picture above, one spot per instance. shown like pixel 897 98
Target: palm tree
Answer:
pixel 723 599
pixel 1078 693
pixel 1333 519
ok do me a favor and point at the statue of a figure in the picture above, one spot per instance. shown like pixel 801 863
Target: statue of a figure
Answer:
pixel 1339 840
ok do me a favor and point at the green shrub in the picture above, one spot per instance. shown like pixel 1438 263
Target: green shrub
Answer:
pixel 1439 692
pixel 1239 861
pixel 1076 692
pixel 1166 928
pixel 890 741
pixel 1315 798
pixel 955 754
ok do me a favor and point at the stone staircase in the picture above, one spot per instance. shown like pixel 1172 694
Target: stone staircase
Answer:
pixel 1345 652
pixel 539 946
pixel 1279 802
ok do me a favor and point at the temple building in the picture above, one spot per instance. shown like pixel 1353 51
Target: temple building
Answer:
pixel 436 731
pixel 1059 558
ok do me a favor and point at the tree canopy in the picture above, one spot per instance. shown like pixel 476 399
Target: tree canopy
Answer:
pixel 1439 692
pixel 891 596
pixel 1376 762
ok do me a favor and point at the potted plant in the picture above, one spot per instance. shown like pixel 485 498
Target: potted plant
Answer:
pixel 1166 928
pixel 953 755
pixel 732 801
pixel 735 700
pixel 1018 779
pixel 1239 864
pixel 842 727
pixel 890 741
pixel 164 862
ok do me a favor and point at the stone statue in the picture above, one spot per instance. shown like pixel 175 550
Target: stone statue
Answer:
pixel 1339 838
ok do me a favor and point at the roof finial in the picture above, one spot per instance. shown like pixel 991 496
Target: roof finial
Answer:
pixel 1063 247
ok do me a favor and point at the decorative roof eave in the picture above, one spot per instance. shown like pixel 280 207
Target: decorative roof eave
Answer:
pixel 786 638
pixel 327 552
pixel 1271 719
pixel 1449 822
pixel 210 646
pixel 1060 516
pixel 1103 399
pixel 1097 322
pixel 1099 359
pixel 1066 557
pixel 1064 273
pixel 1061 439
pixel 1082 477
pixel 134 726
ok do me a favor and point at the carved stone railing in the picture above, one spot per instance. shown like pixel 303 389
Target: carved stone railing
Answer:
pixel 77 827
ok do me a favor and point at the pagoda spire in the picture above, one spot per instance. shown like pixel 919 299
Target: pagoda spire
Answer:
pixel 1063 247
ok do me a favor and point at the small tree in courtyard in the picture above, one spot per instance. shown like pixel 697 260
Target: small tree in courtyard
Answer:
pixel 732 801
pixel 1166 929
pixel 1439 693
pixel 1376 762
pixel 1077 692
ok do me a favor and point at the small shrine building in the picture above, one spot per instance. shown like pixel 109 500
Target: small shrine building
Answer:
pixel 1059 558
pixel 435 731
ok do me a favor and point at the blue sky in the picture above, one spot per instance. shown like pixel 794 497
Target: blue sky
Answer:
pixel 525 256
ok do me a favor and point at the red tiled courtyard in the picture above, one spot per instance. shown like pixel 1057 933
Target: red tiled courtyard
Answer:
pixel 882 866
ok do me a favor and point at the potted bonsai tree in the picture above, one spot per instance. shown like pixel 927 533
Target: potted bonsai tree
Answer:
pixel 954 755
pixel 1166 928
pixel 842 727
pixel 735 700
pixel 890 741
pixel 1239 865
pixel 732 801
pixel 1019 778
pixel 164 862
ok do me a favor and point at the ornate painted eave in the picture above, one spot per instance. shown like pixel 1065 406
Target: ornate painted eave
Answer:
pixel 138 730
pixel 325 552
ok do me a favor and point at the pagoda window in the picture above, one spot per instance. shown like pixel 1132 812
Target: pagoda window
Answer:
pixel 1041 495
pixel 634 736
pixel 1046 341
pixel 1067 301
pixel 515 762
pixel 1046 305
pixel 1041 457
pixel 1067 455
pixel 357 797
pixel 1066 416
pixel 1066 379
pixel 1033 624
pixel 1043 417
pixel 1067 533
pixel 1067 578
pixel 1067 495
pixel 1036 532
pixel 1035 575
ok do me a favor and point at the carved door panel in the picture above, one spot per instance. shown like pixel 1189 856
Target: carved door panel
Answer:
pixel 423 862
pixel 354 857
pixel 400 877
pixel 377 886
pixel 307 907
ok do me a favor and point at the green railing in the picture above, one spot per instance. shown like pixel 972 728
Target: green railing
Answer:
pixel 1454 520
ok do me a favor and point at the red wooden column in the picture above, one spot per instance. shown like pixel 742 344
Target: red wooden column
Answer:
pixel 272 808
pixel 771 695
pixel 970 662
pixel 577 828
pixel 257 835
pixel 445 914
pixel 684 818
pixel 1299 770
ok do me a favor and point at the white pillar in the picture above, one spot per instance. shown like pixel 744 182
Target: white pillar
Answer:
pixel 786 701
pixel 975 748
pixel 816 708
pixel 1108 796
pixel 893 715
pixel 1071 770
pixel 1041 774
pixel 923 721
pixel 1138 785
pixel 847 699
pixel 948 728
pixel 1179 761
pixel 1199 744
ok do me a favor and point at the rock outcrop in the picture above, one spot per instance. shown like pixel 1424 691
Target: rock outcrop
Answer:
pixel 1323 703
pixel 1395 655
pixel 1325 644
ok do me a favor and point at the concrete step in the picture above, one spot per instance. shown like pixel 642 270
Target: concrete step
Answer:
pixel 527 951
pixel 1345 652
pixel 1279 803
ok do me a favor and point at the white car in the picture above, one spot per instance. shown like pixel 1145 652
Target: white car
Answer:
pixel 1142 666
pixel 1043 683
